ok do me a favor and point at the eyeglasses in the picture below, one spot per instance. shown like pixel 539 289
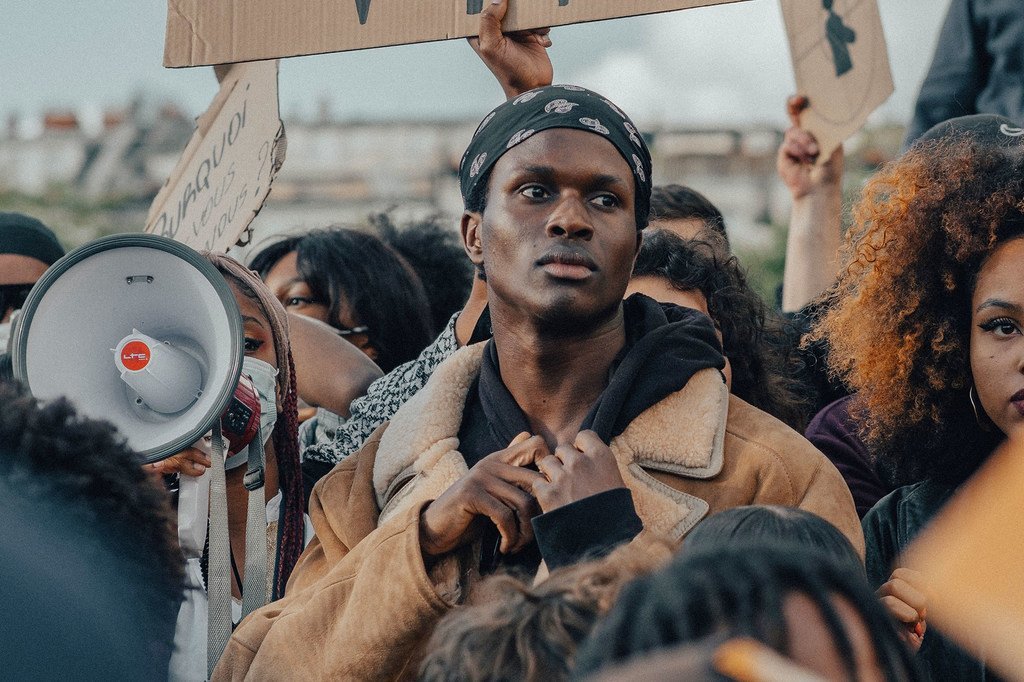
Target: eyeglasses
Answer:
pixel 349 331
pixel 12 296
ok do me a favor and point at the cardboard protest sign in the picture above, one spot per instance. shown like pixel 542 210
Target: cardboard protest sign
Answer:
pixel 220 31
pixel 972 559
pixel 841 65
pixel 224 175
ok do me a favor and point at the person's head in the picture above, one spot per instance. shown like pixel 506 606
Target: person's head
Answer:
pixel 818 612
pixel 265 325
pixel 686 212
pixel 89 557
pixel 771 523
pixel 512 630
pixel 436 255
pixel 354 282
pixel 924 322
pixel 698 274
pixel 27 249
pixel 556 185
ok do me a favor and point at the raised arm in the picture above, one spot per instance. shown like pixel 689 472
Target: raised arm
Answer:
pixel 329 371
pixel 518 60
pixel 815 224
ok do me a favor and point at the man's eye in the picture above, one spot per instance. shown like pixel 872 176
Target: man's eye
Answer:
pixel 534 192
pixel 252 345
pixel 606 200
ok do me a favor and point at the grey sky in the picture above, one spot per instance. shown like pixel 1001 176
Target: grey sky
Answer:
pixel 725 64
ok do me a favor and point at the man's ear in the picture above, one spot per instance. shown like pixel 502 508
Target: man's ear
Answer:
pixel 471 241
pixel 639 243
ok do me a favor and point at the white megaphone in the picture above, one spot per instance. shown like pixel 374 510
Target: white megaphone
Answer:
pixel 138 330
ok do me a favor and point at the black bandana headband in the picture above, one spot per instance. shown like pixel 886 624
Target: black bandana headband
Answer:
pixel 557 106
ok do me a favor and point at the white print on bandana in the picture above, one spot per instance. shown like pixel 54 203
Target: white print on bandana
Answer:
pixel 573 88
pixel 640 168
pixel 614 108
pixel 490 117
pixel 1010 131
pixel 525 97
pixel 478 163
pixel 633 137
pixel 559 106
pixel 595 125
pixel 519 137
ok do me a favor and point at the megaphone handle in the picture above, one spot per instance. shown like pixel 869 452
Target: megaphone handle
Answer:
pixel 218 583
pixel 254 593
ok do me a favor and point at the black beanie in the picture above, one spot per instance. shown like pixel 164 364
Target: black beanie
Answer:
pixel 25 236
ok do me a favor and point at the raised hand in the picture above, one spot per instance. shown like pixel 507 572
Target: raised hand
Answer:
pixel 798 153
pixel 497 488
pixel 518 60
pixel 585 468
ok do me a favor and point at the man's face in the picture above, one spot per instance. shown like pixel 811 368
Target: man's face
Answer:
pixel 558 237
pixel 17 273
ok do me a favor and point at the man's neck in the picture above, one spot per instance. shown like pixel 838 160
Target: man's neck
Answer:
pixel 556 379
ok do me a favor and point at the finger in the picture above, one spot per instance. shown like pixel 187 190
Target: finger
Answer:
pixel 198 457
pixel 474 42
pixel 490 23
pixel 521 477
pixel 551 467
pixel 566 453
pixel 899 610
pixel 503 518
pixel 795 105
pixel 523 453
pixel 589 442
pixel 523 506
pixel 907 593
pixel 521 438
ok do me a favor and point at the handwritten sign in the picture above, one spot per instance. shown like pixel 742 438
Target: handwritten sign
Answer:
pixel 224 175
pixel 841 65
pixel 220 31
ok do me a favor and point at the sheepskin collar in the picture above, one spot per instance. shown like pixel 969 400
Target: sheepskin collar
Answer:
pixel 418 456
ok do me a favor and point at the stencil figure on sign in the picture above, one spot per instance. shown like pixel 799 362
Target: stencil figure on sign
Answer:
pixel 363 7
pixel 474 6
pixel 839 37
pixel 563 3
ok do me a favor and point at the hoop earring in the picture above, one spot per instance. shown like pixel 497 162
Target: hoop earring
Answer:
pixel 977 416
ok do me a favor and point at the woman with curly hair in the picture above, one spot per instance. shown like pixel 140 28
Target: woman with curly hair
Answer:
pixel 925 324
pixel 695 273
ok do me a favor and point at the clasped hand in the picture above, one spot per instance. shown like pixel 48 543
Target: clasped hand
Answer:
pixel 504 490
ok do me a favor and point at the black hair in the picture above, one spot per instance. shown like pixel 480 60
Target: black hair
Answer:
pixel 436 255
pixel 768 523
pixel 348 268
pixel 740 591
pixel 753 337
pixel 92 505
pixel 265 259
pixel 678 202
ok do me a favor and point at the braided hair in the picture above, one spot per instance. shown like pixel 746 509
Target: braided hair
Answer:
pixel 291 524
pixel 740 591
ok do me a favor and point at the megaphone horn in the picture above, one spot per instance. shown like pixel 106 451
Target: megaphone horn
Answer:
pixel 171 321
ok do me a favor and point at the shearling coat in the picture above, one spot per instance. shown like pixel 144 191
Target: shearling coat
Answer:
pixel 361 602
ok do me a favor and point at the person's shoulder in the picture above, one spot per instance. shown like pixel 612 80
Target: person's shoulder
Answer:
pixel 757 428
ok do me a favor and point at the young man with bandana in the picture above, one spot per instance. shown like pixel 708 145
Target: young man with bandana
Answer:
pixel 584 421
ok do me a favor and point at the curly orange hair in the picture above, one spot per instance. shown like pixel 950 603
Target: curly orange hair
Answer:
pixel 898 320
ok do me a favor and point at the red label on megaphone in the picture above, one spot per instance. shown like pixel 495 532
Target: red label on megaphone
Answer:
pixel 135 355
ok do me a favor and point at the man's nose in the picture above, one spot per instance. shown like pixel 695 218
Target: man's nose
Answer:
pixel 570 218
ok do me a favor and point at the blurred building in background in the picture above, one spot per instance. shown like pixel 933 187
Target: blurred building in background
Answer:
pixel 88 182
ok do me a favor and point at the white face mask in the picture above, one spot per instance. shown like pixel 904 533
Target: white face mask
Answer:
pixel 264 379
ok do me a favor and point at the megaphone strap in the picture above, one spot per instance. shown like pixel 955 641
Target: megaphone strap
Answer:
pixel 254 592
pixel 218 582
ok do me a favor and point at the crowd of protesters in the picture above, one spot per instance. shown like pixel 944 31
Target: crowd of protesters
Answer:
pixel 566 440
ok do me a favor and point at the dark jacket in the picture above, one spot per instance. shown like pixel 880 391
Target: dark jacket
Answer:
pixel 889 528
pixel 978 67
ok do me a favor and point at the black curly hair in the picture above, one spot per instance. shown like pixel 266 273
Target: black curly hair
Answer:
pixel 740 591
pixel 84 471
pixel 754 339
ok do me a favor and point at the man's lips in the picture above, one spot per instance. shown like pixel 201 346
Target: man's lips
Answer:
pixel 566 264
